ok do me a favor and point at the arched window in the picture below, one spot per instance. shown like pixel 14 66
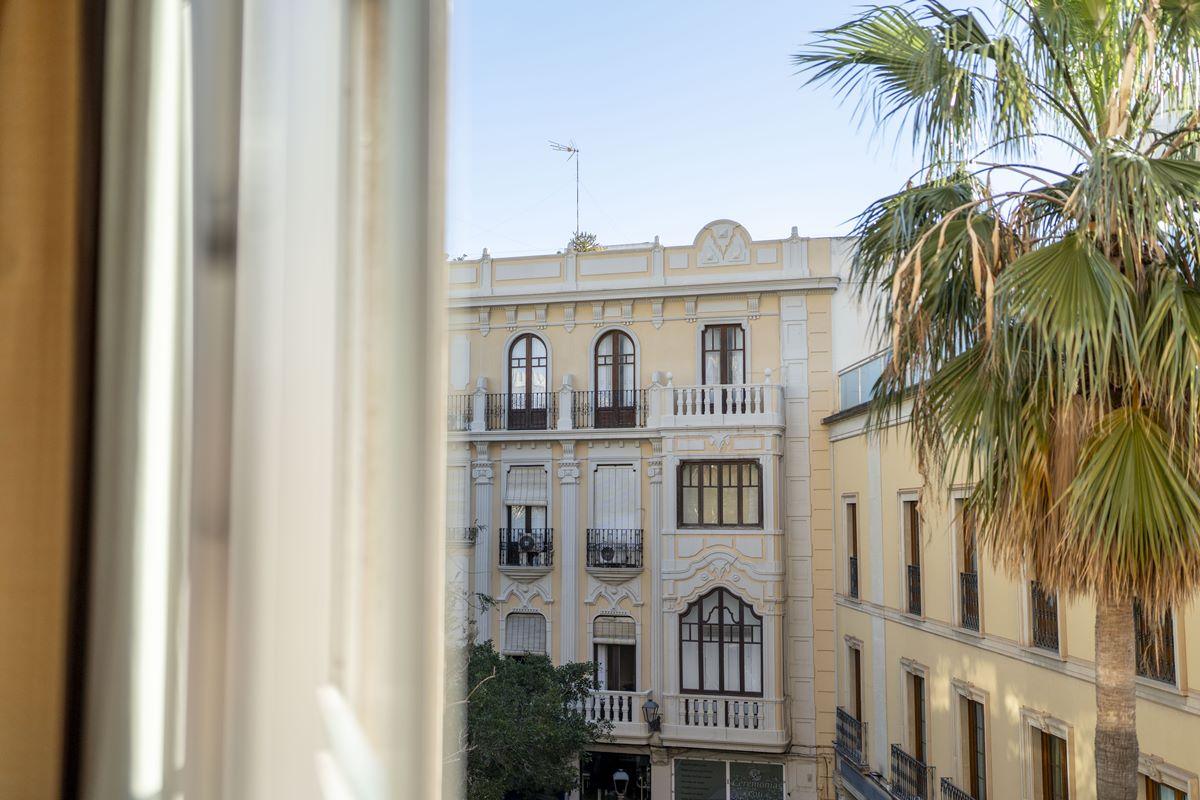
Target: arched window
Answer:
pixel 616 386
pixel 614 652
pixel 524 633
pixel 720 642
pixel 528 377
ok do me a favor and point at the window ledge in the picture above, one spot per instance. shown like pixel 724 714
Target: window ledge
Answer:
pixel 525 573
pixel 614 574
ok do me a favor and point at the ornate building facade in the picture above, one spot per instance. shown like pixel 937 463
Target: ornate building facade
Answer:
pixel 638 476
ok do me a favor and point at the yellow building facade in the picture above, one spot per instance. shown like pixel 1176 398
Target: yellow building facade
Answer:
pixel 956 680
pixel 638 476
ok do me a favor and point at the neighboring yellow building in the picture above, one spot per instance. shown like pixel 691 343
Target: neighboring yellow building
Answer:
pixel 955 680
pixel 638 476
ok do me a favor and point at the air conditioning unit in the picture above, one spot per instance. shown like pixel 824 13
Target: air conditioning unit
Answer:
pixel 608 554
pixel 526 544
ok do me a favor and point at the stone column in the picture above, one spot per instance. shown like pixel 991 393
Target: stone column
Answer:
pixel 483 476
pixel 566 551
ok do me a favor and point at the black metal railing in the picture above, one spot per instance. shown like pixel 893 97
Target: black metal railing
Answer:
pixel 968 598
pixel 593 408
pixel 462 534
pixel 1155 645
pixel 535 411
pixel 1043 612
pixel 849 736
pixel 852 576
pixel 910 777
pixel 914 589
pixel 614 548
pixel 458 412
pixel 952 792
pixel 526 547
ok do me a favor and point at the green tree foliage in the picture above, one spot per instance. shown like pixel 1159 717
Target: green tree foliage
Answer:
pixel 1045 321
pixel 523 737
pixel 584 242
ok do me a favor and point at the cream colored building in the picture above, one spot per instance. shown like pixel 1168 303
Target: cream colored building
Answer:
pixel 637 463
pixel 954 679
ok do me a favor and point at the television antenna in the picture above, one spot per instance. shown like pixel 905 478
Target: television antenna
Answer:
pixel 573 152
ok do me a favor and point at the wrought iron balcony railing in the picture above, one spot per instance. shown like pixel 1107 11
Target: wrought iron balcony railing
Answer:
pixel 952 792
pixel 625 408
pixel 850 736
pixel 914 589
pixel 910 777
pixel 1155 646
pixel 852 576
pixel 526 547
pixel 614 548
pixel 1043 611
pixel 968 598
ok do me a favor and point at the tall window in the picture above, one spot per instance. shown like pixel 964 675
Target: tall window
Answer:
pixel 852 549
pixel 968 568
pixel 614 652
pixel 1043 617
pixel 911 522
pixel 528 377
pixel 1050 761
pixel 855 656
pixel 525 633
pixel 1155 645
pixel 724 354
pixel 526 541
pixel 917 731
pixel 724 494
pixel 616 387
pixel 720 642
pixel 974 747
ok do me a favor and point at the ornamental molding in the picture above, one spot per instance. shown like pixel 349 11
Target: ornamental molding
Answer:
pixel 613 593
pixel 568 471
pixel 482 472
pixel 523 592
pixel 654 469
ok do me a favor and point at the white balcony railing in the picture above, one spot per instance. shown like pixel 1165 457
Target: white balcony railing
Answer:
pixel 719 718
pixel 660 405
pixel 622 709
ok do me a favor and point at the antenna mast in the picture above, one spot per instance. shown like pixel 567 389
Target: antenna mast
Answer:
pixel 573 152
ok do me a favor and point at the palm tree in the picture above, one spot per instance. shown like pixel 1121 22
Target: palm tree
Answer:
pixel 1038 280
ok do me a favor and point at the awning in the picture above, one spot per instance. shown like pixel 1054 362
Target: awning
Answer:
pixel 526 486
pixel 612 629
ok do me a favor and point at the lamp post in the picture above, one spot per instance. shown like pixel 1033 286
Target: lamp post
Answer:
pixel 620 782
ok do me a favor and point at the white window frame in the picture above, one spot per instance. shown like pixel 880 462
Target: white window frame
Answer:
pixel 705 322
pixel 1031 720
pixel 1157 769
pixel 1025 603
pixel 910 667
pixel 958 497
pixel 639 678
pixel 902 497
pixel 844 539
pixel 961 690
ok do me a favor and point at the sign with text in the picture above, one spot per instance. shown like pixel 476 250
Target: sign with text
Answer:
pixel 755 781
pixel 699 780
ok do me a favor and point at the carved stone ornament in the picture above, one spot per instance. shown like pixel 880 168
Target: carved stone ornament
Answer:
pixel 482 472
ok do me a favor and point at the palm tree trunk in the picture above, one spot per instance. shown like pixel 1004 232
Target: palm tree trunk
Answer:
pixel 1116 702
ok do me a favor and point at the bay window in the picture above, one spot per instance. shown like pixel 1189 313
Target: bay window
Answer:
pixel 721 643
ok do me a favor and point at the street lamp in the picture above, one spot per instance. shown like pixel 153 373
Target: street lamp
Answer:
pixel 620 782
pixel 650 714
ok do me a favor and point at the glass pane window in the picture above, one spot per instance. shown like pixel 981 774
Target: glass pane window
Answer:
pixel 721 645
pixel 720 493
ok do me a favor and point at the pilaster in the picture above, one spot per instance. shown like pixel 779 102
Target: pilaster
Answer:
pixel 567 551
pixel 483 477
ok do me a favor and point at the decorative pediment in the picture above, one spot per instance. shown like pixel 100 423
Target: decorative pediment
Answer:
pixel 723 243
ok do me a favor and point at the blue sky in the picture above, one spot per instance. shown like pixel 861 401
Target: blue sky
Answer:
pixel 685 112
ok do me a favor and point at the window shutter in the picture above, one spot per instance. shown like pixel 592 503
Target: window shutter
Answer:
pixel 614 497
pixel 613 629
pixel 526 486
pixel 525 633
pixel 458 503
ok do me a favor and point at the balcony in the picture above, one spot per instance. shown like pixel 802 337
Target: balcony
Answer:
pixel 526 553
pixel 657 406
pixel 913 572
pixel 851 735
pixel 952 792
pixel 852 576
pixel 614 553
pixel 462 535
pixel 725 720
pixel 910 778
pixel 1043 610
pixel 622 709
pixel 968 598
